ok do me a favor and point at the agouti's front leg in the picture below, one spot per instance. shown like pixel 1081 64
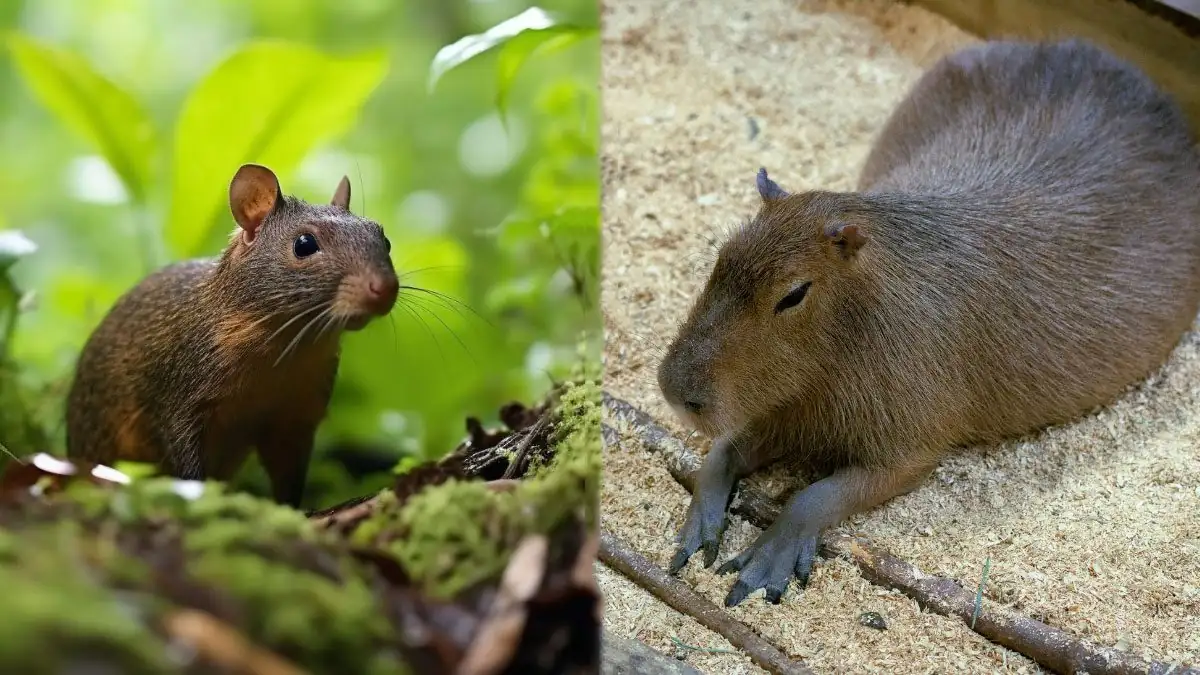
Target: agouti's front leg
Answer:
pixel 789 545
pixel 284 453
pixel 185 452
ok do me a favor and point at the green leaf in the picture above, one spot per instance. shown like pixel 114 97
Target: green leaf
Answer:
pixel 137 470
pixel 454 55
pixel 269 103
pixel 525 46
pixel 92 107
pixel 13 246
pixel 575 232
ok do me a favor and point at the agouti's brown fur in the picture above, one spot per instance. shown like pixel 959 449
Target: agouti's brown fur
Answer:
pixel 205 359
pixel 1024 245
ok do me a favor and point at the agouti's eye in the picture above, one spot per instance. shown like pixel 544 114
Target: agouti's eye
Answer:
pixel 305 245
pixel 793 298
pixel 387 243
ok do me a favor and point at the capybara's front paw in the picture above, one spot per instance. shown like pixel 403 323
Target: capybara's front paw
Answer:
pixel 769 563
pixel 701 531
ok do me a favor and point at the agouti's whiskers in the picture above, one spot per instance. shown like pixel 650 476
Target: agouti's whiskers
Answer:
pixel 395 335
pixel 296 340
pixel 400 304
pixel 330 320
pixel 290 322
pixel 409 273
pixel 446 301
pixel 418 306
pixel 440 303
pixel 275 300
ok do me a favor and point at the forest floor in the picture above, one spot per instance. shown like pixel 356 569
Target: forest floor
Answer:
pixel 474 563
pixel 1089 527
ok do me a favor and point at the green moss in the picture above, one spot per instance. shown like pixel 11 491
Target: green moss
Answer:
pixel 221 520
pixel 384 518
pixel 325 624
pixel 250 551
pixel 387 664
pixel 456 534
pixel 55 611
pixel 587 368
pixel 217 518
pixel 461 533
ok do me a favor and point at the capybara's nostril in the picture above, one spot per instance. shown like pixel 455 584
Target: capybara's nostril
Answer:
pixel 693 406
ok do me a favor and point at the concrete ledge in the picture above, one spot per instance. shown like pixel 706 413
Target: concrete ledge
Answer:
pixel 1162 37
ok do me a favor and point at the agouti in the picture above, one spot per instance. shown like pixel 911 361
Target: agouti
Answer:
pixel 1024 245
pixel 206 359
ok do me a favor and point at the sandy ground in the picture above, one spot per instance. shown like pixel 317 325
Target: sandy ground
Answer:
pixel 1090 527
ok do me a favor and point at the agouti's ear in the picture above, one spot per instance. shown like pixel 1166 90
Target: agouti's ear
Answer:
pixel 768 189
pixel 253 194
pixel 341 196
pixel 846 239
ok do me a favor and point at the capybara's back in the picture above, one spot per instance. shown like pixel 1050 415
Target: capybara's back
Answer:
pixel 1046 225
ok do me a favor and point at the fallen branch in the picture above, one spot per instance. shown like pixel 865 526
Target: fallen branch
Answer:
pixel 358 509
pixel 1050 647
pixel 680 597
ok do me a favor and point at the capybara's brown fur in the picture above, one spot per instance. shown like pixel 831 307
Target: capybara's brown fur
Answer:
pixel 205 359
pixel 1024 245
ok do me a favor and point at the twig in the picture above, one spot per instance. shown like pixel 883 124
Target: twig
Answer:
pixel 522 450
pixel 692 648
pixel 220 644
pixel 503 484
pixel 345 513
pixel 512 446
pixel 1051 647
pixel 362 507
pixel 8 452
pixel 680 597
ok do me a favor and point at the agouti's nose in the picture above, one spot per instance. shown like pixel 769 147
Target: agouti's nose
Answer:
pixel 382 291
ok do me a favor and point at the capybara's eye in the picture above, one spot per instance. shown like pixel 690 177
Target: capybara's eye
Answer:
pixel 793 298
pixel 305 245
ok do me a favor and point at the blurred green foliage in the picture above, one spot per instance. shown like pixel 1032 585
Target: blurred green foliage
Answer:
pixel 469 130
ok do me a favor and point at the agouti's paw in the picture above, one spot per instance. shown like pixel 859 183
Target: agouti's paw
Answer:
pixel 702 530
pixel 769 564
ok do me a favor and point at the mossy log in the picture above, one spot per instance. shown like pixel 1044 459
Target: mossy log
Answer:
pixel 449 570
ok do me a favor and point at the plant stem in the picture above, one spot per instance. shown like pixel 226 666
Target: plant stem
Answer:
pixel 12 305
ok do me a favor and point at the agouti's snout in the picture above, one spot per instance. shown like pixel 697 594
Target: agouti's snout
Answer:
pixel 364 296
pixel 381 292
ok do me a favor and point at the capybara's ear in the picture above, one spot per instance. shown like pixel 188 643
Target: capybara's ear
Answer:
pixel 846 239
pixel 767 188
